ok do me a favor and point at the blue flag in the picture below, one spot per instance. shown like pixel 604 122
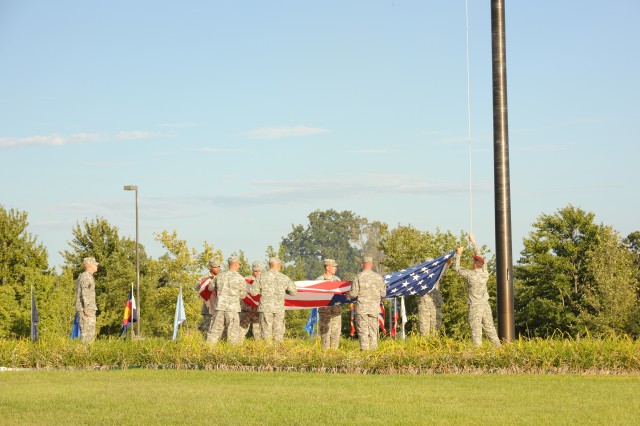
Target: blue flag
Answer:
pixel 34 318
pixel 75 330
pixel 180 316
pixel 418 279
pixel 311 321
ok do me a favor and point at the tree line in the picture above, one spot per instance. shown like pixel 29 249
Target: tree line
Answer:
pixel 574 276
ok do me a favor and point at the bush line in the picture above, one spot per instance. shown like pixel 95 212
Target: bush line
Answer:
pixel 416 355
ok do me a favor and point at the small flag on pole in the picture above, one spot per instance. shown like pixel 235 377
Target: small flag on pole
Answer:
pixel 34 318
pixel 180 316
pixel 75 330
pixel 130 313
pixel 394 324
pixel 311 321
pixel 403 316
pixel 381 318
pixel 352 314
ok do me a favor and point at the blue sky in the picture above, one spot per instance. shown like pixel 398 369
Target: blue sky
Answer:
pixel 238 119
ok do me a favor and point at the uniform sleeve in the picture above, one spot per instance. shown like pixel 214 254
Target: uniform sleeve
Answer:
pixel 291 288
pixel 213 283
pixel 242 287
pixel 355 287
pixel 383 288
pixel 78 295
pixel 456 267
pixel 84 290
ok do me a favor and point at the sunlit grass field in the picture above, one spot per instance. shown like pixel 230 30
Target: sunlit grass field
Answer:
pixel 143 396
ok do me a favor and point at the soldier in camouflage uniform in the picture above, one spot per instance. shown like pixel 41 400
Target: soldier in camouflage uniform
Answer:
pixel 330 316
pixel 480 316
pixel 369 288
pixel 271 286
pixel 231 288
pixel 430 307
pixel 249 316
pixel 207 305
pixel 86 300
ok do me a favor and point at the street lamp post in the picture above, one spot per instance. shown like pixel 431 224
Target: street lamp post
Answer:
pixel 135 188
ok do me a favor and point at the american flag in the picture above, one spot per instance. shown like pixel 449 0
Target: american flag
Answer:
pixel 311 294
pixel 416 280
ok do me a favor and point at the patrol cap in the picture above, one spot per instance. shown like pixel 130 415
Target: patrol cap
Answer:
pixel 330 262
pixel 478 259
pixel 367 259
pixel 256 266
pixel 275 261
pixel 214 264
pixel 232 260
pixel 89 261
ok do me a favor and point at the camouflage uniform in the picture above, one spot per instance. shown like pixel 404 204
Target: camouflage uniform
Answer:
pixel 86 302
pixel 369 288
pixel 207 306
pixel 271 286
pixel 231 287
pixel 480 316
pixel 430 309
pixel 330 320
pixel 249 316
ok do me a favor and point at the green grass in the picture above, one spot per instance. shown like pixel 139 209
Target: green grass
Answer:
pixel 145 396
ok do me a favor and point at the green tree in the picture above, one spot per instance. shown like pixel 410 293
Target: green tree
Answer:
pixel 23 263
pixel 329 234
pixel 179 266
pixel 570 276
pixel 116 273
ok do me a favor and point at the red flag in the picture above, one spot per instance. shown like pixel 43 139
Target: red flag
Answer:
pixel 381 318
pixel 395 318
pixel 352 312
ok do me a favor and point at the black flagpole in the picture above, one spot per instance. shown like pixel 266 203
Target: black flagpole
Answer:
pixel 504 261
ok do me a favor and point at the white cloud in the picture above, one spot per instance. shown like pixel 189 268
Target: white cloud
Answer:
pixel 135 135
pixel 283 132
pixel 217 150
pixel 50 140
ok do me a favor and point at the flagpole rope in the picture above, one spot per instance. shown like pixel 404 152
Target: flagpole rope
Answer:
pixel 469 117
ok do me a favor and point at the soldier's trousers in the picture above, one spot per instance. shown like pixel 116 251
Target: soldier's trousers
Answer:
pixel 330 327
pixel 429 316
pixel 250 319
pixel 272 325
pixel 87 327
pixel 206 322
pixel 224 321
pixel 367 325
pixel 481 318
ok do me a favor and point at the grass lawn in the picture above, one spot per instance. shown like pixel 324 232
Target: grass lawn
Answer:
pixel 248 398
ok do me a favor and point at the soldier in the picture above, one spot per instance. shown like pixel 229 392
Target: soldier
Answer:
pixel 271 286
pixel 369 288
pixel 330 316
pixel 480 316
pixel 249 316
pixel 430 307
pixel 231 287
pixel 86 300
pixel 207 305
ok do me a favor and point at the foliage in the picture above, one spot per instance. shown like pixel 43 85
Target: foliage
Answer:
pixel 23 264
pixel 329 234
pixel 414 355
pixel 179 266
pixel 574 276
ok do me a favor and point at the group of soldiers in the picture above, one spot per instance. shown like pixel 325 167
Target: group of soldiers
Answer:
pixel 227 314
